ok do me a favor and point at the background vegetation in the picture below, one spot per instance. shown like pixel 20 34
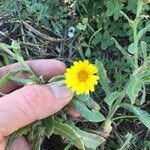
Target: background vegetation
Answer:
pixel 113 32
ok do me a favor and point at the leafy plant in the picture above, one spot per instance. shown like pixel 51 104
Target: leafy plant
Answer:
pixel 115 35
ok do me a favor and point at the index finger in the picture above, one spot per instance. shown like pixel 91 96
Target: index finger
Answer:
pixel 42 67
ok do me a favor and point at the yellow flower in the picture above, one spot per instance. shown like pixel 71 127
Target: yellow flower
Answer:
pixel 81 77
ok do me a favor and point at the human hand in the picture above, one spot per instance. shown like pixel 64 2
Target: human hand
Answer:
pixel 27 104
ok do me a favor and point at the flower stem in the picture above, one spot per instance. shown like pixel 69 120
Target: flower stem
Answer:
pixel 116 105
pixel 6 50
pixel 135 43
pixel 135 31
pixel 124 117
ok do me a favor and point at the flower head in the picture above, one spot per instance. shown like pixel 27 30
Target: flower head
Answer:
pixel 81 77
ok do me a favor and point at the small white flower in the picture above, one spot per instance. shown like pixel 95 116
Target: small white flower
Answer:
pixel 71 31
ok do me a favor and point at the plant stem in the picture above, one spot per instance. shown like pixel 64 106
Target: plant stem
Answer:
pixel 19 58
pixel 135 31
pixel 107 123
pixel 116 105
pixel 6 50
pixel 25 65
pixel 135 42
pixel 81 53
pixel 68 146
pixel 124 117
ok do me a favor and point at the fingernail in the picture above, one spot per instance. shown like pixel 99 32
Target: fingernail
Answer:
pixel 61 92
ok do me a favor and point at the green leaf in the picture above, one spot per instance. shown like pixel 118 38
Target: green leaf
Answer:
pixel 134 87
pixel 49 126
pixel 81 26
pixel 17 134
pixel 110 5
pixel 36 130
pixel 36 143
pixel 143 31
pixel 88 52
pixel 16 47
pixel 132 48
pixel 103 77
pixel 146 77
pixel 7 77
pixel 96 38
pixel 143 116
pixel 6 58
pixel 56 79
pixel 131 22
pixel 85 21
pixel 88 100
pixel 90 140
pixel 111 98
pixel 128 137
pixel 122 50
pixel 144 50
pixel 93 116
pixel 69 133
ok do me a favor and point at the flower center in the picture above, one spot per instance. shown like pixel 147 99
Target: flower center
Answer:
pixel 82 76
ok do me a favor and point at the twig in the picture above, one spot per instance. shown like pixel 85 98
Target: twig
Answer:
pixel 45 37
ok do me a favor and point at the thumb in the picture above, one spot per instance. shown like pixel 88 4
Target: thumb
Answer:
pixel 30 103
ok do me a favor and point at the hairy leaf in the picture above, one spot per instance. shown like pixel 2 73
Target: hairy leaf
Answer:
pixel 143 116
pixel 93 116
pixel 69 133
pixel 17 134
pixel 123 51
pixel 125 145
pixel 91 141
pixel 49 126
pixel 144 49
pixel 88 100
pixel 7 77
pixel 111 98
pixel 134 87
pixel 103 77
pixel 143 31
pixel 132 48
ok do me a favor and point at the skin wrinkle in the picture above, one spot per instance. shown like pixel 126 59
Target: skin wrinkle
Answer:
pixel 36 96
pixel 33 94
pixel 24 112
pixel 27 101
pixel 4 131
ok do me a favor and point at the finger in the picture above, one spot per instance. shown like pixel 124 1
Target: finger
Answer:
pixel 3 144
pixel 72 112
pixel 43 67
pixel 20 144
pixel 30 103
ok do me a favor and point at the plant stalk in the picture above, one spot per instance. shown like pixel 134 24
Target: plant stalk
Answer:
pixel 135 30
pixel 6 50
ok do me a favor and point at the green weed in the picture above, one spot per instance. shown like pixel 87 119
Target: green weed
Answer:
pixel 113 34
